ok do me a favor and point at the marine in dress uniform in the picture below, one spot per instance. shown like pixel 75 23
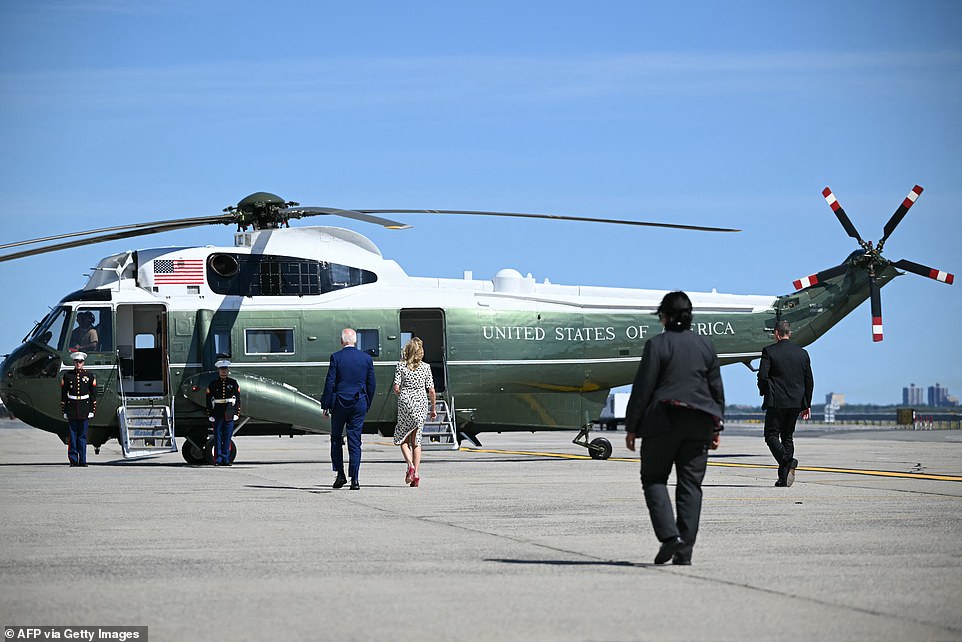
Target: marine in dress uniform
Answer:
pixel 223 409
pixel 78 402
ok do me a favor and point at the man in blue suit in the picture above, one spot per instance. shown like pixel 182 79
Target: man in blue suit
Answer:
pixel 348 393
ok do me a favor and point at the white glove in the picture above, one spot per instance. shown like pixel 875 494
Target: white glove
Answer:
pixel 236 417
pixel 90 415
pixel 65 416
pixel 210 419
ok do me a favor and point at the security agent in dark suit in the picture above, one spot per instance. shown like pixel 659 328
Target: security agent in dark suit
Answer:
pixel 677 406
pixel 348 392
pixel 785 381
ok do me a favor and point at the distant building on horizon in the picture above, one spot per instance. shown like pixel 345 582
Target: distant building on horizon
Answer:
pixel 938 396
pixel 836 399
pixel 912 396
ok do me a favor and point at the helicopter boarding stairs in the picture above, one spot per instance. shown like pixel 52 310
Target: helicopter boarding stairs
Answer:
pixel 146 427
pixel 440 433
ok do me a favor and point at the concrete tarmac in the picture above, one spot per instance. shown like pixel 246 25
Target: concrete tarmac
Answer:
pixel 521 540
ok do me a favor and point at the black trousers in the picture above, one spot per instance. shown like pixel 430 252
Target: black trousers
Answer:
pixel 780 436
pixel 685 447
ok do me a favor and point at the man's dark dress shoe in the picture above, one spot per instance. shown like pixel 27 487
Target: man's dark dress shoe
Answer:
pixel 682 557
pixel 668 549
pixel 780 484
pixel 355 485
pixel 340 481
pixel 790 477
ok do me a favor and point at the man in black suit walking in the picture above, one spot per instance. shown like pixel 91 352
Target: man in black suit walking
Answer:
pixel 785 381
pixel 348 393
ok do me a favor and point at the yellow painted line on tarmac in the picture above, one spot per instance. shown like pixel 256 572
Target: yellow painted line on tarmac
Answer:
pixel 850 471
pixel 815 469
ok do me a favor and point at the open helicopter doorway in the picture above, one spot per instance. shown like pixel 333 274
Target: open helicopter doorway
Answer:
pixel 142 349
pixel 428 325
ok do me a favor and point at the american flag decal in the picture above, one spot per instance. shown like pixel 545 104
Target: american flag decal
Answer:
pixel 179 272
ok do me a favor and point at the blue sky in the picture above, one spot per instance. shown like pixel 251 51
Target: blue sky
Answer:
pixel 727 114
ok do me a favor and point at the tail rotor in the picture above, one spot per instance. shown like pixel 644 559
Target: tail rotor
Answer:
pixel 871 260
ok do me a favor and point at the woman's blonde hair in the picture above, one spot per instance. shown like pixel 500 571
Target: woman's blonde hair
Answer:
pixel 413 353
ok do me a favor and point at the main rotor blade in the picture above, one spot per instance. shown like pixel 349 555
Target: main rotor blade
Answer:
pixel 899 214
pixel 557 217
pixel 201 220
pixel 143 231
pixel 842 216
pixel 915 268
pixel 296 212
pixel 876 309
pixel 824 275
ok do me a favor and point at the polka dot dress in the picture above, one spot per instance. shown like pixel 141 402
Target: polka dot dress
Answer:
pixel 412 403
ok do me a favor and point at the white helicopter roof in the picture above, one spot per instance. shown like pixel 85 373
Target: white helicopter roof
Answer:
pixel 507 290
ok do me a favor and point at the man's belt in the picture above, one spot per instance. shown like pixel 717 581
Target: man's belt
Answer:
pixel 80 398
pixel 230 400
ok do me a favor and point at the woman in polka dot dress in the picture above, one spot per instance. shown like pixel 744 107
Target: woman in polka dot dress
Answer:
pixel 413 384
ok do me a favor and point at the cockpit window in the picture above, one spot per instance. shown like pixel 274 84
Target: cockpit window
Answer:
pixel 93 331
pixel 258 275
pixel 53 330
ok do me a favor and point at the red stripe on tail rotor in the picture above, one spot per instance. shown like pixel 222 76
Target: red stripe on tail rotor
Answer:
pixel 830 199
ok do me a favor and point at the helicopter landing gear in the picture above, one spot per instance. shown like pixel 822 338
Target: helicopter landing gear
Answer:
pixel 191 452
pixel 598 448
pixel 209 451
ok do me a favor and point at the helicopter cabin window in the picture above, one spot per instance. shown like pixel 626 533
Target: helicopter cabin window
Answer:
pixel 53 330
pixel 368 341
pixel 263 341
pixel 257 275
pixel 93 330
pixel 222 344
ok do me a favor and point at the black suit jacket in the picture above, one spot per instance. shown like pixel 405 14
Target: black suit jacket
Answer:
pixel 785 376
pixel 675 367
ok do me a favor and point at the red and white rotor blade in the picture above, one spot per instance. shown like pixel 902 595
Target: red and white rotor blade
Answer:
pixel 922 270
pixel 842 216
pixel 900 213
pixel 876 310
pixel 820 277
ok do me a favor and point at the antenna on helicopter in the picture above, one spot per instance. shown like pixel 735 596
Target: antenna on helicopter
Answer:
pixel 872 260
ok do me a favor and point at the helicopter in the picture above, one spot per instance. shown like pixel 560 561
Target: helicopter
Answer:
pixel 507 354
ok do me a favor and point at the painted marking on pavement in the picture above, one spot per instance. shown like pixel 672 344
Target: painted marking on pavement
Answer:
pixel 815 469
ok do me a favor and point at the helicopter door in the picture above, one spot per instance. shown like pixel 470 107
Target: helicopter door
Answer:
pixel 142 349
pixel 428 324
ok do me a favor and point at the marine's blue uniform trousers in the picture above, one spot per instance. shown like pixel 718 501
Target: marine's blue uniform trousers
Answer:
pixel 353 419
pixel 77 442
pixel 223 429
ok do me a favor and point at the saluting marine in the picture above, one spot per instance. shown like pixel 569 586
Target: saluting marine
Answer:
pixel 78 402
pixel 223 409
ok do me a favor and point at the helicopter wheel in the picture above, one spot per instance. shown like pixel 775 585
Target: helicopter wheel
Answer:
pixel 209 451
pixel 600 448
pixel 192 454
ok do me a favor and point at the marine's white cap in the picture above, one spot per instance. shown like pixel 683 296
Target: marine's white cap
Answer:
pixel 79 356
pixel 222 363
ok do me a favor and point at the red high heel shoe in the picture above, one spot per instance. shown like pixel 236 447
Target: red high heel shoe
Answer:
pixel 415 480
pixel 410 475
